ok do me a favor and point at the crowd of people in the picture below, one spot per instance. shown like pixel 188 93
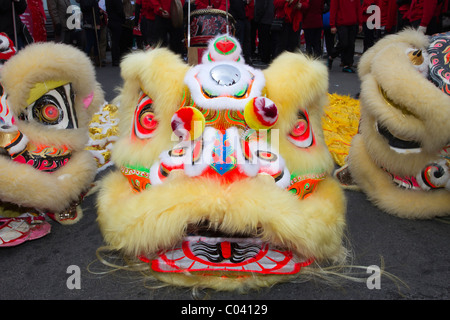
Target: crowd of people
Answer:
pixel 265 28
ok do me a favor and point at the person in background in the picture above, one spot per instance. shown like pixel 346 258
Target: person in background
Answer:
pixel 329 37
pixel 237 10
pixel 370 33
pixel 126 38
pixel 250 36
pixel 313 26
pixel 424 15
pixel 388 17
pixel 402 14
pixel 145 11
pixel 288 38
pixel 264 13
pixel 91 26
pixel 345 21
pixel 165 32
pixel 58 12
pixel 37 13
pixel 103 32
pixel 212 4
pixel 116 17
pixel 7 21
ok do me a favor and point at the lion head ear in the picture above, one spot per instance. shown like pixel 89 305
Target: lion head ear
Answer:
pixel 47 62
pixel 409 37
pixel 154 71
pixel 306 88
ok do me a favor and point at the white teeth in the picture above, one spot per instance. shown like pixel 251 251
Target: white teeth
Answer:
pixel 406 151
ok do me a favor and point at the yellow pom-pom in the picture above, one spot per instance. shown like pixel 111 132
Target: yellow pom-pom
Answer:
pixel 260 113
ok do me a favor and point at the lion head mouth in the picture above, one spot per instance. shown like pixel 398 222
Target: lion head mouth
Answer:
pixel 218 255
pixel 208 249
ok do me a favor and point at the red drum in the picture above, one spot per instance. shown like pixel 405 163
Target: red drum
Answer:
pixel 208 23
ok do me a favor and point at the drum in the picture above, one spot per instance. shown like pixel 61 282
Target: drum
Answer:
pixel 207 23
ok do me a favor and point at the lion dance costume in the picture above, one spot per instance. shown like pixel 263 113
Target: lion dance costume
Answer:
pixel 223 179
pixel 400 157
pixel 48 96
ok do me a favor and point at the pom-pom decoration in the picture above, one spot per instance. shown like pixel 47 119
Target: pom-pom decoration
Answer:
pixel 260 113
pixel 188 123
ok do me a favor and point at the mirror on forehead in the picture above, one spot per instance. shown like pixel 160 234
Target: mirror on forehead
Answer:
pixel 225 74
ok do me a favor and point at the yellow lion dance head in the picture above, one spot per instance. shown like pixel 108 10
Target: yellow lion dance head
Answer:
pixel 48 96
pixel 400 158
pixel 223 179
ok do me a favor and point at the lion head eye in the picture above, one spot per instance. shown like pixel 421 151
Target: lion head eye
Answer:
pixel 145 122
pixel 418 59
pixel 55 109
pixel 301 134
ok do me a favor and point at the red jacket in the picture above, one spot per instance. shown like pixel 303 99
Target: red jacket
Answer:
pixel 423 10
pixel 388 10
pixel 146 9
pixel 366 4
pixel 345 13
pixel 278 8
pixel 216 4
pixel 389 13
pixel 294 15
pixel 312 16
pixel 159 5
pixel 250 10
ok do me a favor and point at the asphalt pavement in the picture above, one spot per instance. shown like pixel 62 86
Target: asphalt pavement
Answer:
pixel 415 253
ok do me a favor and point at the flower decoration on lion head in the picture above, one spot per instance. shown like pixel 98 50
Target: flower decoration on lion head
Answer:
pixel 48 96
pixel 400 158
pixel 223 177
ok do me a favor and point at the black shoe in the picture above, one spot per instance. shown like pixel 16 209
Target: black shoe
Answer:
pixel 348 70
pixel 329 63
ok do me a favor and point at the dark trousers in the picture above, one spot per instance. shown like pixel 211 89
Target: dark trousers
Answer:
pixel 167 35
pixel 116 33
pixel 346 44
pixel 286 39
pixel 265 42
pixel 126 40
pixel 253 36
pixel 369 37
pixel 91 41
pixel 329 40
pixel 148 33
pixel 243 35
pixel 313 41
